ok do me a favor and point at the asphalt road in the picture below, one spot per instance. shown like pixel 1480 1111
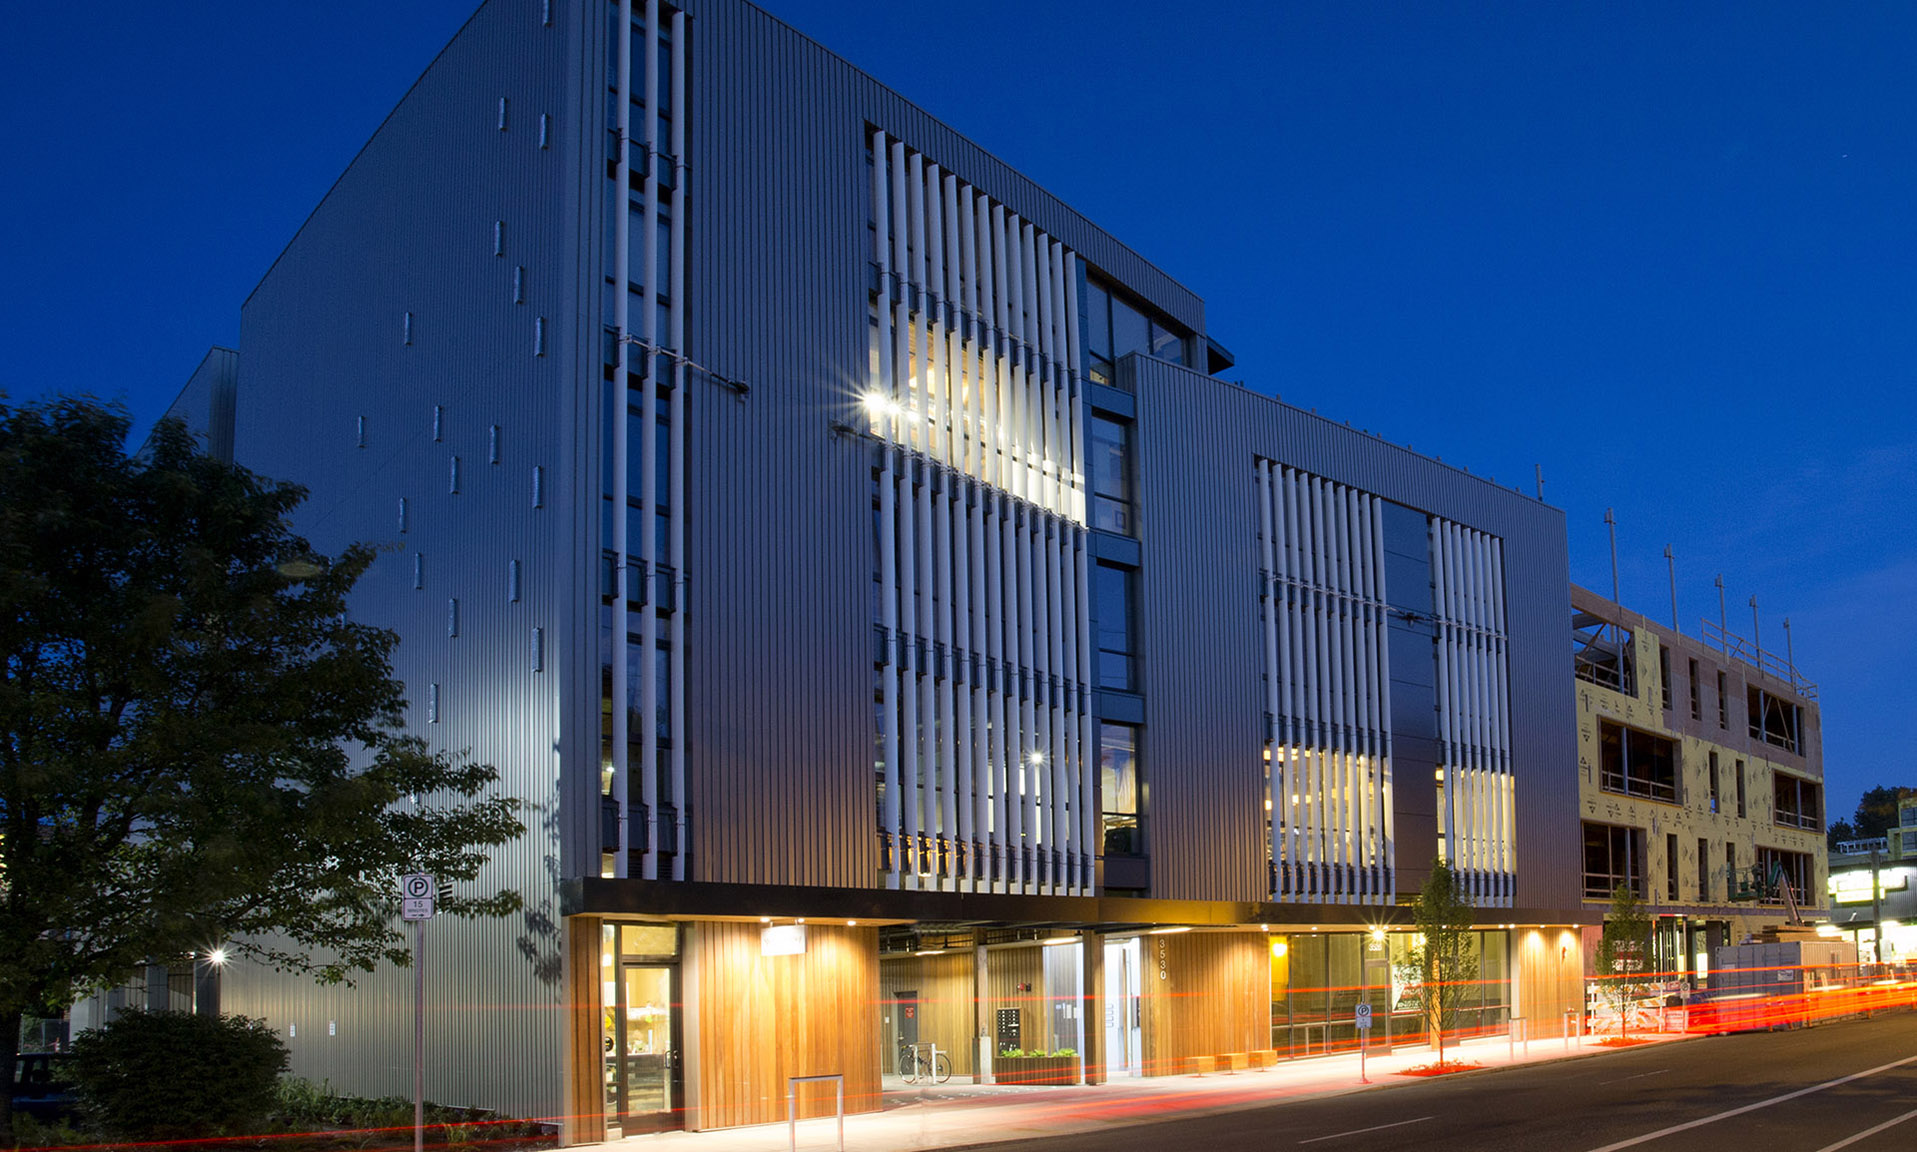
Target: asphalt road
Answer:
pixel 1851 1084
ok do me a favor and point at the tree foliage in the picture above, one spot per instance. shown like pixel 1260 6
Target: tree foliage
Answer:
pixel 1621 952
pixel 1443 957
pixel 174 1075
pixel 1877 811
pixel 198 744
pixel 1876 815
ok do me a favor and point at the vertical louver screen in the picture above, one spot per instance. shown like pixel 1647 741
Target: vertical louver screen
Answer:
pixel 984 648
pixel 1327 689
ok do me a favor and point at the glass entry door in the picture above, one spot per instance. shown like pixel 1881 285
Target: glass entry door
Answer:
pixel 642 1057
pixel 1122 1049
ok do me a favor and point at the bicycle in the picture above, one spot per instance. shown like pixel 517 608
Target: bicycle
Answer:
pixel 915 1065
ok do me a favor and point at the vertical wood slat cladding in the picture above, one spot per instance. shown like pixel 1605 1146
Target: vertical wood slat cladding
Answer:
pixel 1549 979
pixel 765 1018
pixel 1214 997
pixel 585 1114
pixel 1006 969
pixel 1197 438
pixel 944 1005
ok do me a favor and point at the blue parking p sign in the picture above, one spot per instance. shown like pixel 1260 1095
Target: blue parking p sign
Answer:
pixel 1364 1018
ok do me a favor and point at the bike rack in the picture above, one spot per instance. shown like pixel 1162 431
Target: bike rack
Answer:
pixel 792 1106
pixel 931 1063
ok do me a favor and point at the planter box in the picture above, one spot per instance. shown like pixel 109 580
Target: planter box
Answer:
pixel 1035 1069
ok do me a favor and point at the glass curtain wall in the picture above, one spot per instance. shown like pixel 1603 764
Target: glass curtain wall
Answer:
pixel 1318 979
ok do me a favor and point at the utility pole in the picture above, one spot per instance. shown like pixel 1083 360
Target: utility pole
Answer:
pixel 1876 913
pixel 1670 562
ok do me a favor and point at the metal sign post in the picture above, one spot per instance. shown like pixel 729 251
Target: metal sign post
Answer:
pixel 417 893
pixel 1363 1021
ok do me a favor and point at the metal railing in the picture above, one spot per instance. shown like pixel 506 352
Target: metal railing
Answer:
pixel 792 1106
pixel 1737 647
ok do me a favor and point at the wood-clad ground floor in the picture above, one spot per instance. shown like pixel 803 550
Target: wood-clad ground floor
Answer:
pixel 700 1023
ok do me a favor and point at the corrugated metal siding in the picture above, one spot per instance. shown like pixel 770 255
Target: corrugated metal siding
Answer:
pixel 1196 439
pixel 820 86
pixel 410 228
pixel 205 404
pixel 779 652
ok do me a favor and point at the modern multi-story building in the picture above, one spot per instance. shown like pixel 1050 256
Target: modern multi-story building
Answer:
pixel 900 633
pixel 1701 779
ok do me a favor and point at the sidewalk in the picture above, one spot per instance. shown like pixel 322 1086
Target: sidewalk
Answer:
pixel 957 1115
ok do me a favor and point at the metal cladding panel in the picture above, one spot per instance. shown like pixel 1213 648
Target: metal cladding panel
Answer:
pixel 780 627
pixel 205 404
pixel 808 83
pixel 395 304
pixel 1196 441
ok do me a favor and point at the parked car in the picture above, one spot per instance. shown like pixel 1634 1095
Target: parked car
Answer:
pixel 43 1085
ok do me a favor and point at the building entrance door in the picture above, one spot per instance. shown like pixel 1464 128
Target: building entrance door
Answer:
pixel 643 1078
pixel 1121 1008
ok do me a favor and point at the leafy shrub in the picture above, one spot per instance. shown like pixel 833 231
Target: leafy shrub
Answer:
pixel 31 1132
pixel 173 1075
pixel 331 1121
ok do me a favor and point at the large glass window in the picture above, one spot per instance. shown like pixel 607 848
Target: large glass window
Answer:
pixel 1111 476
pixel 1097 329
pixel 1118 789
pixel 1112 327
pixel 1131 332
pixel 1114 598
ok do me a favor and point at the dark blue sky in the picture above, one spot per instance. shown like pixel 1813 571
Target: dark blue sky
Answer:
pixel 1668 252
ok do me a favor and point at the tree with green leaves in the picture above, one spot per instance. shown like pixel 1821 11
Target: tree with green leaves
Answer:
pixel 198 744
pixel 1442 958
pixel 1621 952
pixel 1876 812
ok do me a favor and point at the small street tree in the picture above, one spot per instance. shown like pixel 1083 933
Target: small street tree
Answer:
pixel 1621 953
pixel 1442 959
pixel 198 744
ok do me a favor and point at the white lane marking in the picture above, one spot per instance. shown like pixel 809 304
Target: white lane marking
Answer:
pixel 1689 1124
pixel 1849 1140
pixel 1639 1076
pixel 1373 1128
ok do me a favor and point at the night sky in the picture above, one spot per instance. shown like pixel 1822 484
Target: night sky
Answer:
pixel 1667 252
